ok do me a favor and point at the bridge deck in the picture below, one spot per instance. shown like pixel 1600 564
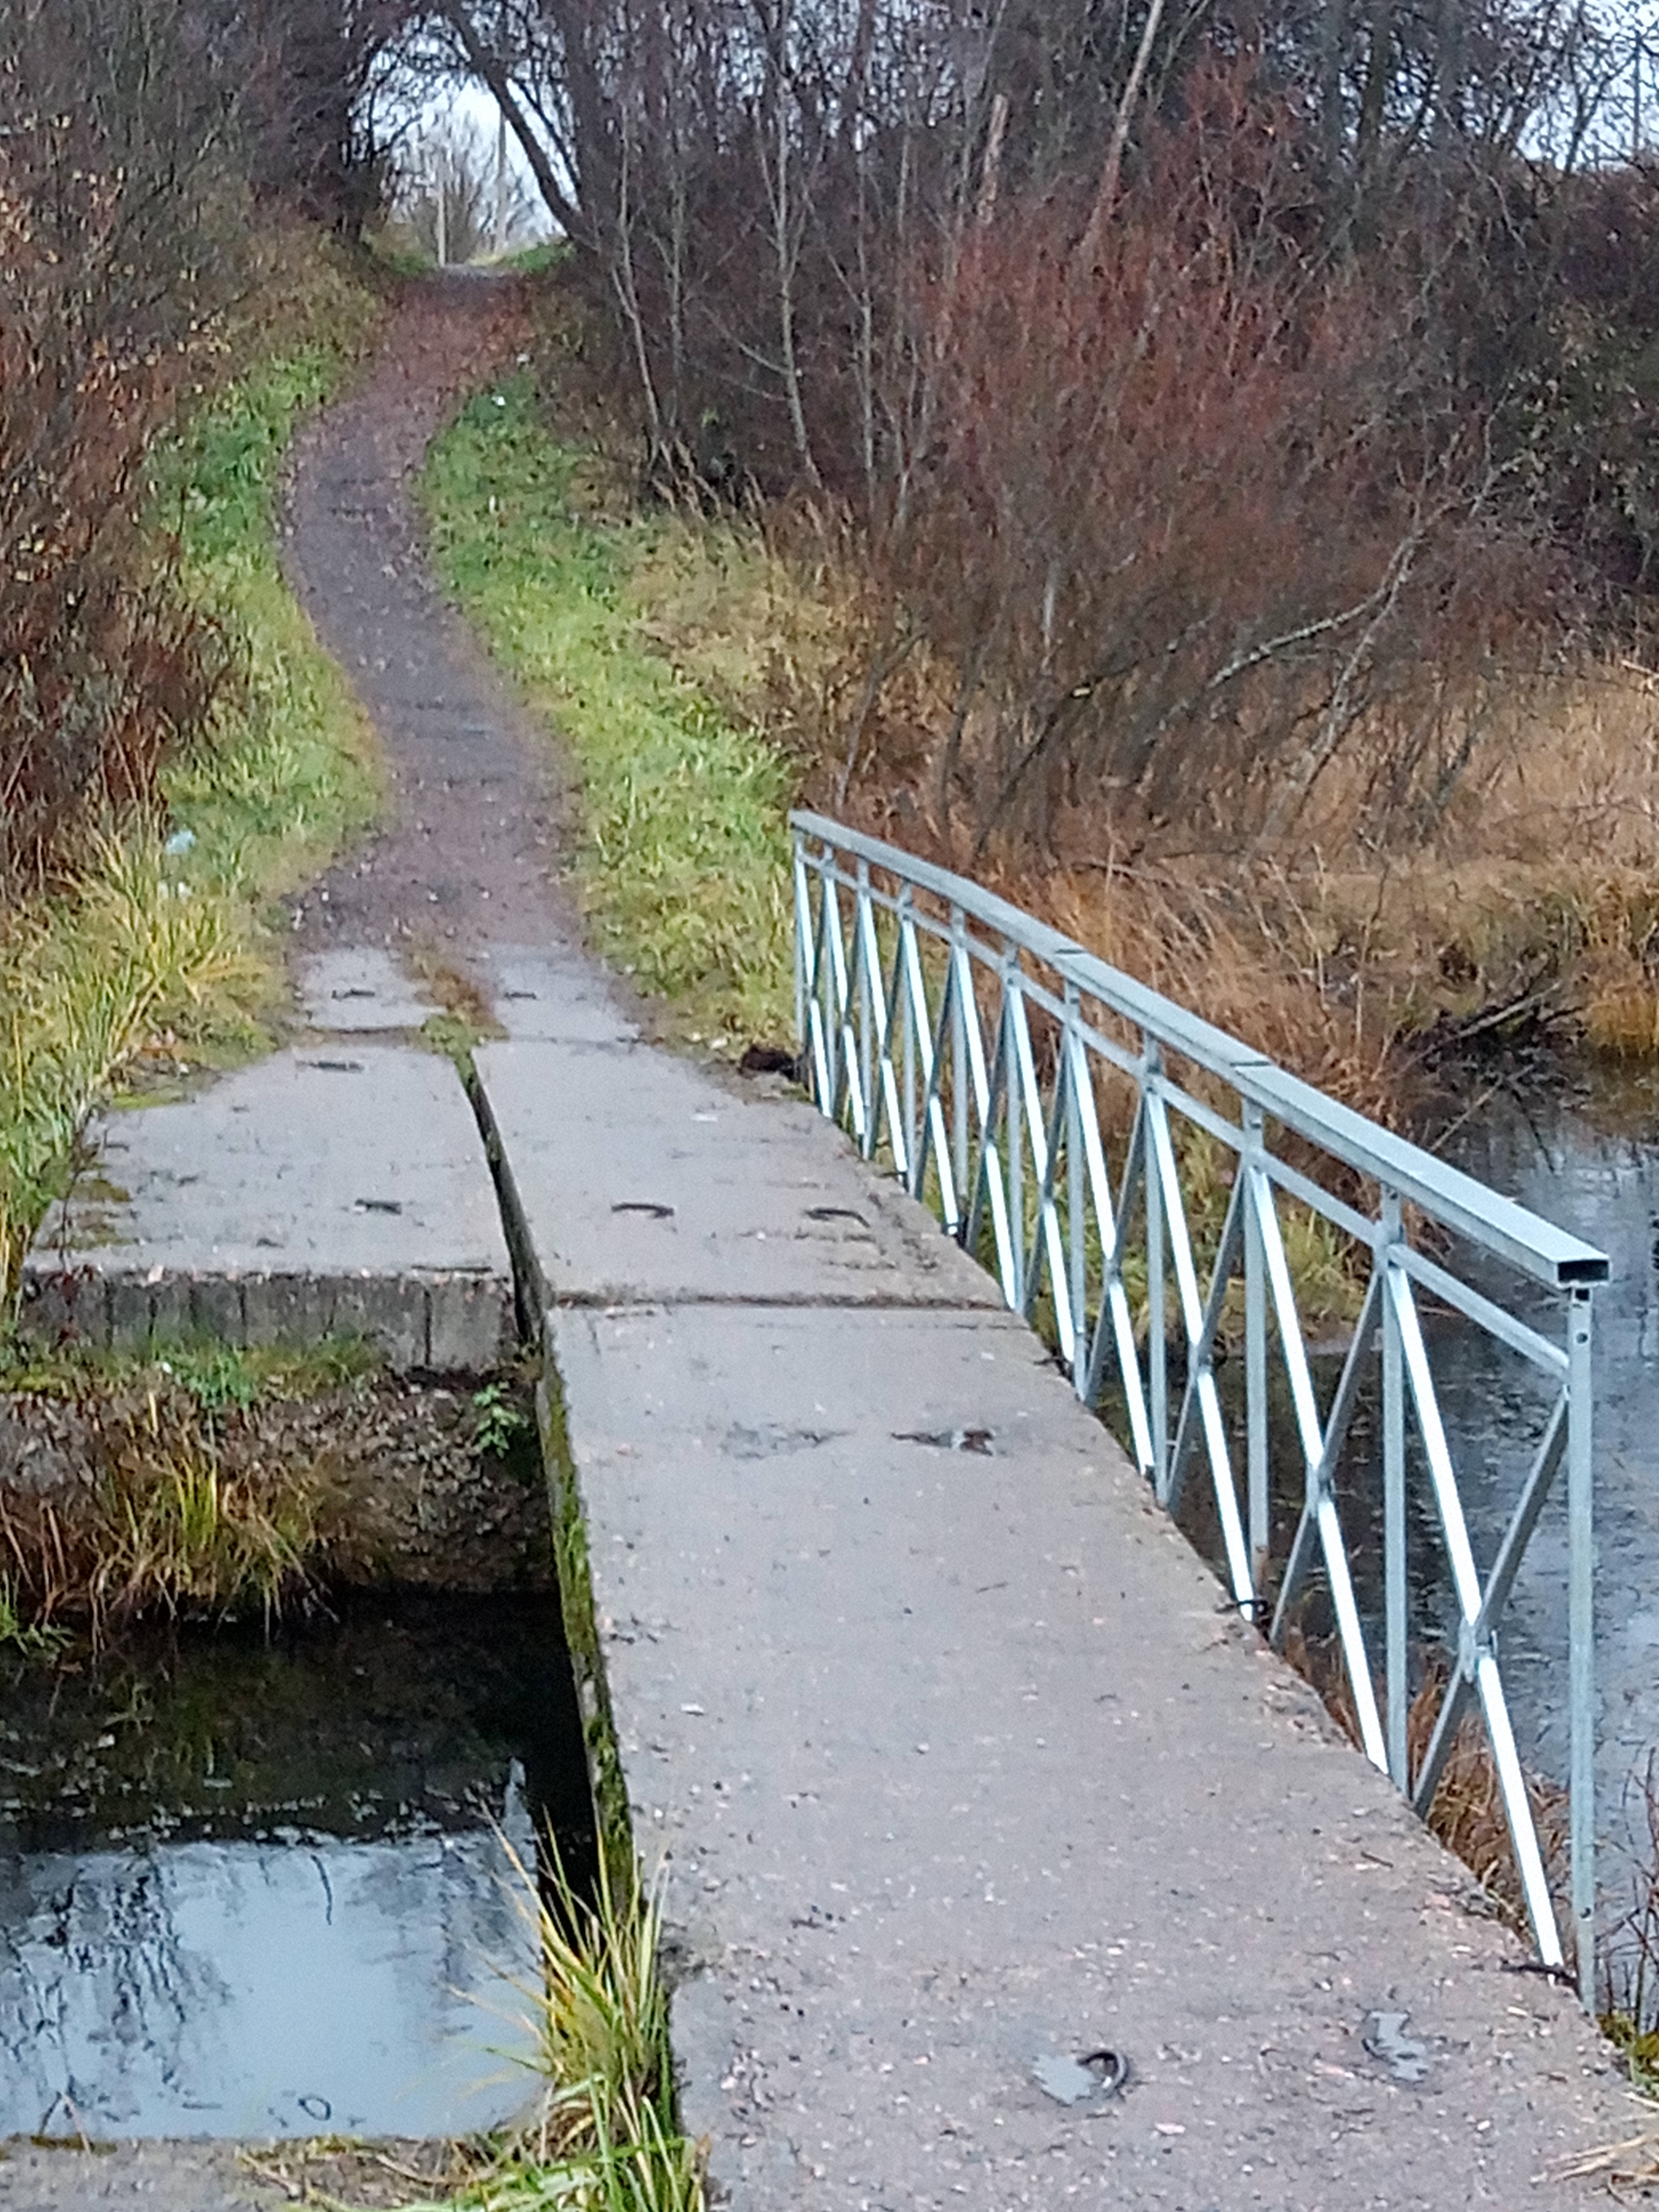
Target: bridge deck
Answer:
pixel 959 1760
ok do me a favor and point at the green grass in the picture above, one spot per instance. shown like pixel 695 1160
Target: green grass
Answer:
pixel 682 865
pixel 604 2137
pixel 164 944
pixel 218 1377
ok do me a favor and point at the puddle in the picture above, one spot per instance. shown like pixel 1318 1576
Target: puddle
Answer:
pixel 253 1888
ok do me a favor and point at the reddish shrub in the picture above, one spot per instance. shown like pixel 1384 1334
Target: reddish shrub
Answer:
pixel 1193 506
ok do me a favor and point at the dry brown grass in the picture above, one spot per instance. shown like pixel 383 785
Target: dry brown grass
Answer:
pixel 1467 1812
pixel 1512 883
pixel 1355 956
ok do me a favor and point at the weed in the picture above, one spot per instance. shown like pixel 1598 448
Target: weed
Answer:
pixel 455 1037
pixel 34 1639
pixel 182 1536
pixel 604 2137
pixel 499 1422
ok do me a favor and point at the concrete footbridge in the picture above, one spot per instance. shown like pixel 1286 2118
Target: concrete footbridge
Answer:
pixel 1005 1860
pixel 1008 1860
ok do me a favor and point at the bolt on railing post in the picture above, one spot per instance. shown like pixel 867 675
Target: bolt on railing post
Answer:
pixel 1396 1624
pixel 1255 1353
pixel 1581 1632
pixel 1157 1349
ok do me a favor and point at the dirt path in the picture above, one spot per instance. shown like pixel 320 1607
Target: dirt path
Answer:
pixel 464 860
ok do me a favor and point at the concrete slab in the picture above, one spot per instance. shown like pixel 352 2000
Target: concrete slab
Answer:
pixel 355 991
pixel 641 1177
pixel 332 1189
pixel 961 1762
pixel 551 997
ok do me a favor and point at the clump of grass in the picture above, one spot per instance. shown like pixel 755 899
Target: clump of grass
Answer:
pixel 603 2137
pixel 178 1534
pixel 87 980
pixel 1468 1813
pixel 684 860
pixel 167 1528
pixel 176 1510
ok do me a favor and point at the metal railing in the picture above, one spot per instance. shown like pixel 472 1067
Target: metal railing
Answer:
pixel 969 1047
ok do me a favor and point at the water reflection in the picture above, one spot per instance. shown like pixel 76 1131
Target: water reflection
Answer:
pixel 253 1888
pixel 1585 1154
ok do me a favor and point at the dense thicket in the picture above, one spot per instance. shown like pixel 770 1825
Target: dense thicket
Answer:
pixel 138 138
pixel 1209 383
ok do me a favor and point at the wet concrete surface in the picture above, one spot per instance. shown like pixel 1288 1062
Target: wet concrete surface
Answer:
pixel 962 1765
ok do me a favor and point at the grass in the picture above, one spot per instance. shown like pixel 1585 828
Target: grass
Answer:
pixel 217 1377
pixel 602 2134
pixel 683 865
pixel 166 1522
pixel 168 1529
pixel 604 2137
pixel 33 1640
pixel 161 954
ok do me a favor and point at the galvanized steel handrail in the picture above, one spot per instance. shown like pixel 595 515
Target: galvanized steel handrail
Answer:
pixel 895 999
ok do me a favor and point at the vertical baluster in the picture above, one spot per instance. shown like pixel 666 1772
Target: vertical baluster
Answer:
pixel 1396 1590
pixel 864 931
pixel 908 1032
pixel 959 1076
pixel 1158 1374
pixel 802 941
pixel 1073 1069
pixel 828 924
pixel 1255 1353
pixel 1581 1633
pixel 1014 1165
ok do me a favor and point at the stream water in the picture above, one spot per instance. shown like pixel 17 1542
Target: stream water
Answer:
pixel 256 1885
pixel 1581 1148
pixel 1583 1151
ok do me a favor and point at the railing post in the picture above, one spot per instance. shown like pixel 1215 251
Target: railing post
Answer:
pixel 1158 1350
pixel 863 929
pixel 907 1028
pixel 1013 1108
pixel 1076 1221
pixel 1396 1593
pixel 959 1078
pixel 1255 1354
pixel 1581 1635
